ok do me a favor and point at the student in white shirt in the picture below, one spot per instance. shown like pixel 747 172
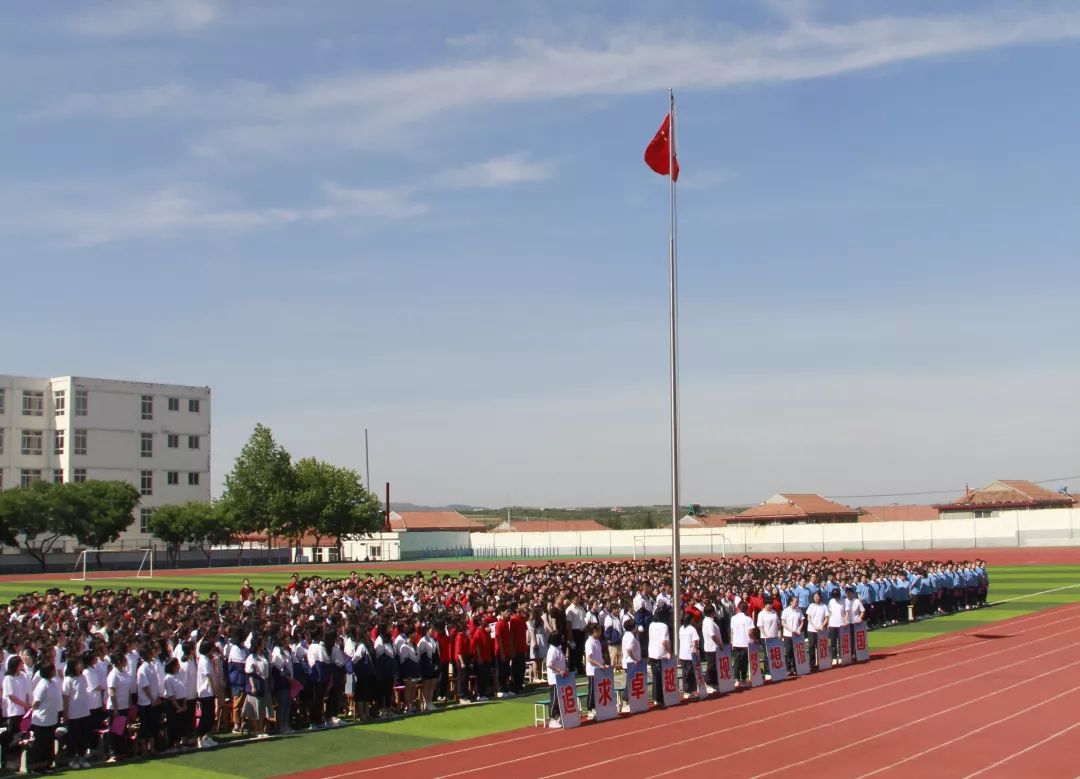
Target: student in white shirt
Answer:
pixel 713 640
pixel 689 643
pixel 631 653
pixel 837 622
pixel 594 658
pixel 204 689
pixel 740 643
pixel 119 691
pixel 556 667
pixel 793 621
pixel 257 698
pixel 188 676
pixel 17 693
pixel 175 695
pixel 659 649
pixel 147 699
pixel 855 612
pixel 78 696
pixel 817 621
pixel 281 670
pixel 46 703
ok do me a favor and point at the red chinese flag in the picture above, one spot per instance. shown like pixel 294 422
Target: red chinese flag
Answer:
pixel 658 152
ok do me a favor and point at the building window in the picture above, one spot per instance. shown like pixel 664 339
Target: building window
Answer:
pixel 31 441
pixel 193 405
pixel 59 402
pixel 58 476
pixel 193 479
pixel 2 394
pixel 172 478
pixel 983 514
pixel 82 402
pixel 174 404
pixel 80 442
pixel 58 442
pixel 78 475
pixel 147 445
pixel 172 440
pixel 33 403
pixel 147 406
pixel 144 520
pixel 146 482
pixel 192 442
pixel 28 476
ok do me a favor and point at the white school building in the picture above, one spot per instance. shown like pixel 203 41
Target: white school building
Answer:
pixel 154 436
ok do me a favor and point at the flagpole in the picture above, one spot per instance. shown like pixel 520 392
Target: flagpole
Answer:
pixel 674 362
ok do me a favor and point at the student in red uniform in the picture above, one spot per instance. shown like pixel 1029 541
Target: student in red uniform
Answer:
pixel 519 637
pixel 463 660
pixel 504 650
pixel 446 652
pixel 484 653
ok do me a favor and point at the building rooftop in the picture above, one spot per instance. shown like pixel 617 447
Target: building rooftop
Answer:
pixel 1009 494
pixel 433 520
pixel 798 507
pixel 897 512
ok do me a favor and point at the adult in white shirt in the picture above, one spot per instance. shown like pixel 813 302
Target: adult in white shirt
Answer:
pixel 594 658
pixel 556 667
pixel 46 703
pixel 78 698
pixel 837 622
pixel 713 640
pixel 741 624
pixel 575 620
pixel 689 643
pixel 659 649
pixel 631 653
pixel 793 621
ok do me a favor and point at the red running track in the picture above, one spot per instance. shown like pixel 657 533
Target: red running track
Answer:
pixel 1000 701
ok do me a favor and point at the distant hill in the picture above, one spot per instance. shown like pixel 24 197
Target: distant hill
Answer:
pixel 450 507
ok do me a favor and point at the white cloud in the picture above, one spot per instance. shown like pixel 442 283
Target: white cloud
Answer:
pixel 144 17
pixel 369 108
pixel 496 172
pixel 172 211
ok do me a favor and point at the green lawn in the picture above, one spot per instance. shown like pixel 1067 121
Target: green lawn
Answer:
pixel 1022 587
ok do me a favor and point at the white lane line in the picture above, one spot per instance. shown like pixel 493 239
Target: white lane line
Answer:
pixel 818 706
pixel 1036 745
pixel 1015 714
pixel 1033 594
pixel 924 719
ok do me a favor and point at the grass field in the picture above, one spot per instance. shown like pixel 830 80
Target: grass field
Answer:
pixel 1017 590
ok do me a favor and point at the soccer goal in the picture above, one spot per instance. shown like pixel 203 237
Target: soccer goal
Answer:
pixel 87 561
pixel 650 545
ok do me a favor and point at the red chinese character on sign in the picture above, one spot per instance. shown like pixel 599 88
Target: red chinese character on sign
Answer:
pixel 800 651
pixel 637 685
pixel 755 663
pixel 724 669
pixel 569 699
pixel 669 679
pixel 603 691
pixel 860 641
pixel 823 647
pixel 845 645
pixel 776 658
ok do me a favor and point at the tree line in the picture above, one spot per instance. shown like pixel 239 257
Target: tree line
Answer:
pixel 267 495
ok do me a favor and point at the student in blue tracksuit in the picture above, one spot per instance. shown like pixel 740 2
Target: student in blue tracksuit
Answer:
pixel 803 594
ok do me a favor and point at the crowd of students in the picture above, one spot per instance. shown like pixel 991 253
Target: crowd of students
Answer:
pixel 138 672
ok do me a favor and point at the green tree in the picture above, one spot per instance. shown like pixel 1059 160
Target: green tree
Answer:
pixel 331 502
pixel 259 490
pixel 38 516
pixel 169 524
pixel 203 525
pixel 108 510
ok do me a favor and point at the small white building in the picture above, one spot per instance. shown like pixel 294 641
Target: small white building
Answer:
pixel 154 436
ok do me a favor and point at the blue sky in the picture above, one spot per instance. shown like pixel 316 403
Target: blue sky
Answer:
pixel 434 222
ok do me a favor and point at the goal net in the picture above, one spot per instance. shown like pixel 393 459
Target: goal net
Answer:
pixel 121 562
pixel 649 545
